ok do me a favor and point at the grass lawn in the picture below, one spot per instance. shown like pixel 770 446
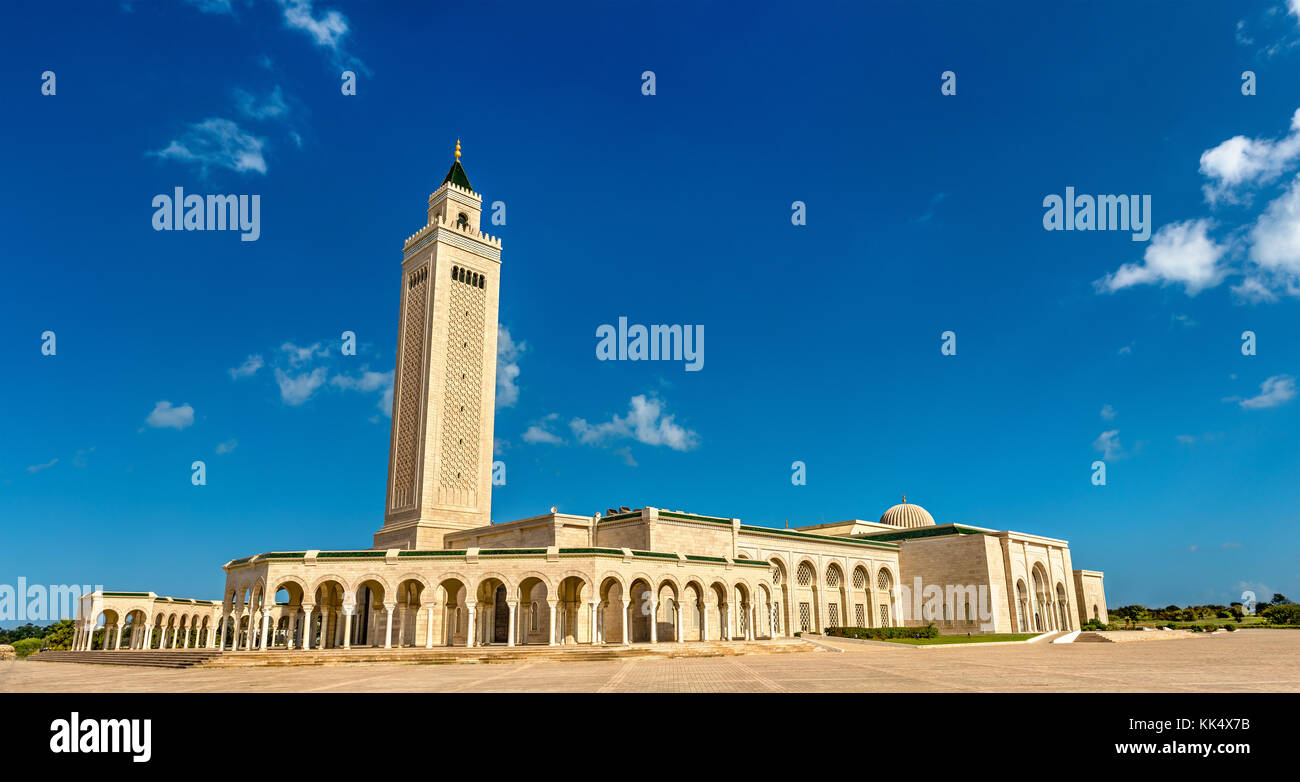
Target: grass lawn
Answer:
pixel 962 639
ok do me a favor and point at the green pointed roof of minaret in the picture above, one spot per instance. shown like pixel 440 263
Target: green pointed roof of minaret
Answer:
pixel 456 174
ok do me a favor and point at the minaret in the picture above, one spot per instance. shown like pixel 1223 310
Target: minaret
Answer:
pixel 444 388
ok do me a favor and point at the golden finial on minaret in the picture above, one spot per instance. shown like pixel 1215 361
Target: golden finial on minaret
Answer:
pixel 458 149
pixel 904 499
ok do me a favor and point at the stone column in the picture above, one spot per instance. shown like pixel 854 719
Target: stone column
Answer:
pixel 429 628
pixel 724 619
pixel 117 638
pixel 680 633
pixel 594 607
pixel 550 622
pixel 347 627
pixel 470 638
pixel 306 626
pixel 627 620
pixel 388 625
pixel 704 620
pixel 266 622
pixel 654 619
pixel 511 607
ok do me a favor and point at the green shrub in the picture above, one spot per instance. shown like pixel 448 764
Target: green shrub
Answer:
pixel 27 646
pixel 883 633
pixel 1285 614
pixel 1230 627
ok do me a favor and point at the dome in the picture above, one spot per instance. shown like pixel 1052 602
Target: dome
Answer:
pixel 907 516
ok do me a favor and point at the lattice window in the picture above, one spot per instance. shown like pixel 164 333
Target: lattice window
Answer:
pixel 885 581
pixel 833 577
pixel 805 614
pixel 462 397
pixel 805 575
pixel 860 615
pixel 833 613
pixel 776 575
pixel 410 384
pixel 884 615
pixel 859 579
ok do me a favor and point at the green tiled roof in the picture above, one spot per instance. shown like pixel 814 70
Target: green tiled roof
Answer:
pixel 941 530
pixel 456 176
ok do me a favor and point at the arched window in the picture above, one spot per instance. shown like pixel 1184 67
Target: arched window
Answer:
pixel 805 574
pixel 462 220
pixel 833 577
pixel 860 579
pixel 885 581
pixel 455 272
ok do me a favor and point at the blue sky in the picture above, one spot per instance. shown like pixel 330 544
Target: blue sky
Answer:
pixel 924 214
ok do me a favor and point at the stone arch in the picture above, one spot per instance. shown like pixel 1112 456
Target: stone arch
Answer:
pixel 613 620
pixel 1039 597
pixel 1022 606
pixel 574 594
pixel 640 591
pixel 806 598
pixel 533 616
pixel 452 593
pixel 1062 607
pixel 885 601
pixel 297 594
pixel 492 618
pixel 693 608
pixel 667 601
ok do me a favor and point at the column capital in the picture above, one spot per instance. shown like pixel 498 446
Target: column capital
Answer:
pixel 389 607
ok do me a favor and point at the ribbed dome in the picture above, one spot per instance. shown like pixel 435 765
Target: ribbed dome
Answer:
pixel 907 516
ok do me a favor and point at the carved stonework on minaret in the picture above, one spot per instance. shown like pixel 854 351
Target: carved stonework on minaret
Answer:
pixel 440 455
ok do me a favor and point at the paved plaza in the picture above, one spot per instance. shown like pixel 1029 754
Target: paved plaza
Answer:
pixel 1245 661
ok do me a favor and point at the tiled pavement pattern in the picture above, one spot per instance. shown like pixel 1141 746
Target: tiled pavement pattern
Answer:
pixel 1247 661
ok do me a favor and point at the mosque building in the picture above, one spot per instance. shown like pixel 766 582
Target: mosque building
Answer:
pixel 441 573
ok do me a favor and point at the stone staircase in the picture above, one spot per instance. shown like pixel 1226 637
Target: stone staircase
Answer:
pixel 212 658
pixel 155 658
pixel 1092 638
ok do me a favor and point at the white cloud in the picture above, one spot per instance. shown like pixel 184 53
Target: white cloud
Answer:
pixel 507 368
pixel 1253 290
pixel 539 434
pixel 1179 253
pixel 326 28
pixel 166 416
pixel 1185 439
pixel 1108 413
pixel 1274 391
pixel 299 355
pixel 367 381
pixel 296 389
pixel 644 422
pixel 227 446
pixel 273 107
pixel 217 143
pixel 35 468
pixel 212 6
pixel 1240 162
pixel 1108 443
pixel 1275 247
pixel 248 368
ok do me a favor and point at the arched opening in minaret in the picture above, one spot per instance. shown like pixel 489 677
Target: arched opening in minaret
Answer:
pixel 462 220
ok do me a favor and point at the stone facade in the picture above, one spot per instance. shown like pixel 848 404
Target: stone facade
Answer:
pixel 441 574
